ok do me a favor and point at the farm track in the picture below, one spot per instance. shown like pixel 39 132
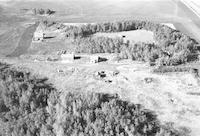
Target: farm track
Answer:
pixel 25 41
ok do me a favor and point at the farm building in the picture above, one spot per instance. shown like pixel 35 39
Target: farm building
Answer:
pixel 49 35
pixel 38 36
pixel 94 59
pixel 97 59
pixel 66 58
pixel 125 39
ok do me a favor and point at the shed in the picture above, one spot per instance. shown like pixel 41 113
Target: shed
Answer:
pixel 94 59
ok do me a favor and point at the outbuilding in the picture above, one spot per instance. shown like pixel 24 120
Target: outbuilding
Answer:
pixel 94 59
pixel 38 36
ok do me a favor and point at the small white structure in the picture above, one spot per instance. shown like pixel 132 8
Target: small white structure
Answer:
pixel 38 36
pixel 39 33
pixel 67 58
pixel 125 39
pixel 94 59
pixel 169 25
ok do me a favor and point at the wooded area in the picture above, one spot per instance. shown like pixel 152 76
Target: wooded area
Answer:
pixel 171 47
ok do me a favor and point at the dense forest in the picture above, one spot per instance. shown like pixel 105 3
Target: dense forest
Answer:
pixel 171 47
pixel 31 106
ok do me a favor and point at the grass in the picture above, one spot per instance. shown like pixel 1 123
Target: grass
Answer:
pixel 9 40
pixel 136 35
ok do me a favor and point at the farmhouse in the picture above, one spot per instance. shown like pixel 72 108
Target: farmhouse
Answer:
pixel 38 36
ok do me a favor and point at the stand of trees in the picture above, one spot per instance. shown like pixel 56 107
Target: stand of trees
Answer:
pixel 96 114
pixel 42 11
pixel 23 102
pixel 30 106
pixel 98 45
pixel 89 29
pixel 171 47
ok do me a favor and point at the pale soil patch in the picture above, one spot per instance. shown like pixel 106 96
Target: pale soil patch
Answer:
pixel 135 35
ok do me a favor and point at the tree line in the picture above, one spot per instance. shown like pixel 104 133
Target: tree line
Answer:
pixel 118 26
pixel 171 47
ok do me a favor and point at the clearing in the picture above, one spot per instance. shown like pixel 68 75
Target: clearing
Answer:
pixel 135 35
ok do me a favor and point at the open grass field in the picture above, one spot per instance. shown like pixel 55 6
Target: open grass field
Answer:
pixel 9 40
pixel 24 42
pixel 132 36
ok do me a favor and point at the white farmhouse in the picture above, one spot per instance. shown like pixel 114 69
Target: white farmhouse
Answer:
pixel 38 36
